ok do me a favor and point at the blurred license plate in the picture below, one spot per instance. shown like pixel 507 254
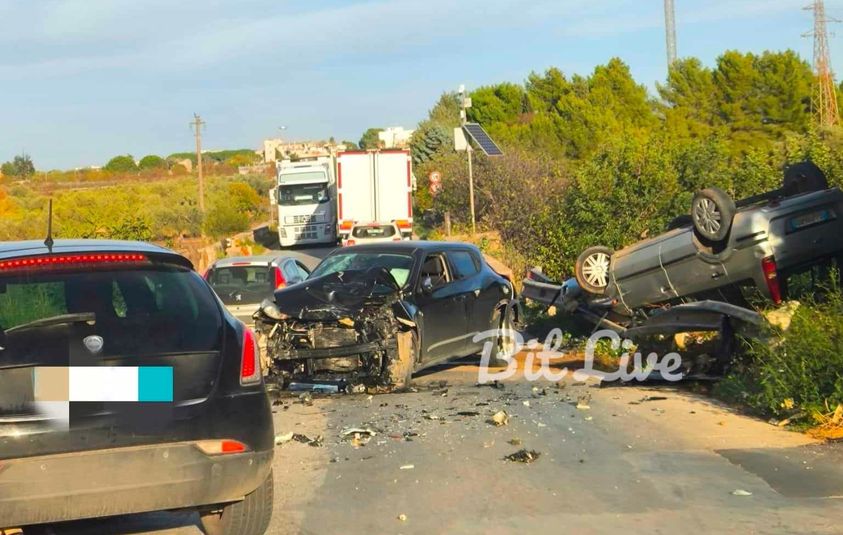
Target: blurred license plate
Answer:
pixel 807 220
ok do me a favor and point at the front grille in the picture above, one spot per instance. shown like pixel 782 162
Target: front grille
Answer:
pixel 303 219
pixel 309 232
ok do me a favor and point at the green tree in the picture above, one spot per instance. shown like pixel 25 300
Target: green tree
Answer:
pixel 121 164
pixel 349 145
pixel 21 166
pixel 370 140
pixel 151 161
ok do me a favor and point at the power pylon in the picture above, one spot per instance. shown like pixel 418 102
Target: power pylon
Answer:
pixel 824 99
pixel 670 32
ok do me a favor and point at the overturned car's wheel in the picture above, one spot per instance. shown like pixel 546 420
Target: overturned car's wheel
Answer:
pixel 712 211
pixel 803 177
pixel 592 269
pixel 249 516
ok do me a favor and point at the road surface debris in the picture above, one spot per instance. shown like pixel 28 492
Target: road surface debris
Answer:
pixel 523 456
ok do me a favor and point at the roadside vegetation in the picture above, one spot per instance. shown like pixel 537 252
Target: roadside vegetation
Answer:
pixel 597 159
pixel 794 374
pixel 163 211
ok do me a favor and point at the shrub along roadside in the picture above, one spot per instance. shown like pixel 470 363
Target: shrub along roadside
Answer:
pixel 796 371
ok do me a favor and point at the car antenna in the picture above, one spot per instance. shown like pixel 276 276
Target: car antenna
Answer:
pixel 49 241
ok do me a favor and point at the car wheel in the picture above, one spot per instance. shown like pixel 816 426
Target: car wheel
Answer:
pixel 505 346
pixel 249 516
pixel 400 368
pixel 592 269
pixel 803 177
pixel 712 211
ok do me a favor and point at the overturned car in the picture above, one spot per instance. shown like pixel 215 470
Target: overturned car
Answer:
pixel 706 270
pixel 373 314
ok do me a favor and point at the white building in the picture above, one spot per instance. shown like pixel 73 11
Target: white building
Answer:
pixel 394 137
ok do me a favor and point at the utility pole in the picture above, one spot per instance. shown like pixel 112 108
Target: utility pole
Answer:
pixel 670 32
pixel 824 99
pixel 464 104
pixel 197 125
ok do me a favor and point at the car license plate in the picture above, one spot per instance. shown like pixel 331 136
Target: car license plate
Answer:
pixel 810 219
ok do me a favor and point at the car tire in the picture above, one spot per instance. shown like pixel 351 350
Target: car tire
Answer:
pixel 592 269
pixel 504 346
pixel 400 369
pixel 803 177
pixel 250 516
pixel 712 211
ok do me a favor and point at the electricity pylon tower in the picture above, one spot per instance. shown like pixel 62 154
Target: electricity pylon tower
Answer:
pixel 824 98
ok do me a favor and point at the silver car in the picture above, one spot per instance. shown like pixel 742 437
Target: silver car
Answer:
pixel 242 282
pixel 759 242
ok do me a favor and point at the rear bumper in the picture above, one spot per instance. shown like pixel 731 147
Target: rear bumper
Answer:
pixel 100 483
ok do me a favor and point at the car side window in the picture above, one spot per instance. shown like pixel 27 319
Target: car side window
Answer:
pixel 303 271
pixel 290 272
pixel 435 268
pixel 465 265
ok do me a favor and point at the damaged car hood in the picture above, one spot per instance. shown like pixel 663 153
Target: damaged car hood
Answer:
pixel 337 294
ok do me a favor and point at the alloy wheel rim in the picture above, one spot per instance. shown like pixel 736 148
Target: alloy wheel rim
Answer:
pixel 596 270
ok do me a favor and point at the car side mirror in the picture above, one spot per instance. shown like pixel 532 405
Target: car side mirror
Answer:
pixel 427 286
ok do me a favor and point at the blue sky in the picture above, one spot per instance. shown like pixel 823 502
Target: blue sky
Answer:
pixel 83 80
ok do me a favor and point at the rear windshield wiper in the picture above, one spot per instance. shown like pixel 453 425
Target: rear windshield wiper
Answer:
pixel 61 319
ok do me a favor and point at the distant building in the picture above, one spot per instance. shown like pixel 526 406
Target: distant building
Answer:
pixel 394 137
pixel 275 149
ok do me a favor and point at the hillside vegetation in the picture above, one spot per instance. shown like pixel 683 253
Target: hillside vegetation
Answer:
pixel 597 159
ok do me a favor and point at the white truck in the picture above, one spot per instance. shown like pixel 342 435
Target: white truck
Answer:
pixel 305 196
pixel 374 188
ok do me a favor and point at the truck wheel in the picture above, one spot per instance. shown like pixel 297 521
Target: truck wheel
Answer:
pixel 712 211
pixel 400 369
pixel 803 177
pixel 592 269
pixel 249 516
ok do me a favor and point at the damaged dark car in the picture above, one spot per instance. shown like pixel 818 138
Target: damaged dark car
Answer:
pixel 369 316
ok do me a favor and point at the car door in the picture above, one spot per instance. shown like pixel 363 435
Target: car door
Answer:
pixel 442 309
pixel 477 293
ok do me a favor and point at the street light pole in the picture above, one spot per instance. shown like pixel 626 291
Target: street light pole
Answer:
pixel 465 103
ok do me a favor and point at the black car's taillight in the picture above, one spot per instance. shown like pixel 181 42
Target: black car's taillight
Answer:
pixel 771 276
pixel 250 369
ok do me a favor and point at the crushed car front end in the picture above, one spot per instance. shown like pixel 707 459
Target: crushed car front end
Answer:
pixel 342 329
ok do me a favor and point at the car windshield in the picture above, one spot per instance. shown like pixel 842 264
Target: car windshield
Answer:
pixel 300 194
pixel 398 265
pixel 242 284
pixel 154 310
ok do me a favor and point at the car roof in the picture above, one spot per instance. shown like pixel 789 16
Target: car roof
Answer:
pixel 257 260
pixel 407 247
pixel 15 249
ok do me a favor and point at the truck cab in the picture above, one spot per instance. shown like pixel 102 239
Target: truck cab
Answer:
pixel 305 197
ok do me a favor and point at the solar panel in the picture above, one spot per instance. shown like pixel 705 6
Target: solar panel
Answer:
pixel 476 132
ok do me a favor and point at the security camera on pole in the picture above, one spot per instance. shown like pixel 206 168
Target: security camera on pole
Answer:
pixel 474 132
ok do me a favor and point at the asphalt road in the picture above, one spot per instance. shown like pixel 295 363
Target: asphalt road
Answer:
pixel 639 459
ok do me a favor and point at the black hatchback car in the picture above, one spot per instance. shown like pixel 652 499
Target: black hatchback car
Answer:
pixel 377 313
pixel 126 387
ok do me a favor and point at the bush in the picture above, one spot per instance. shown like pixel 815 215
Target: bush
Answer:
pixel 224 219
pixel 801 369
